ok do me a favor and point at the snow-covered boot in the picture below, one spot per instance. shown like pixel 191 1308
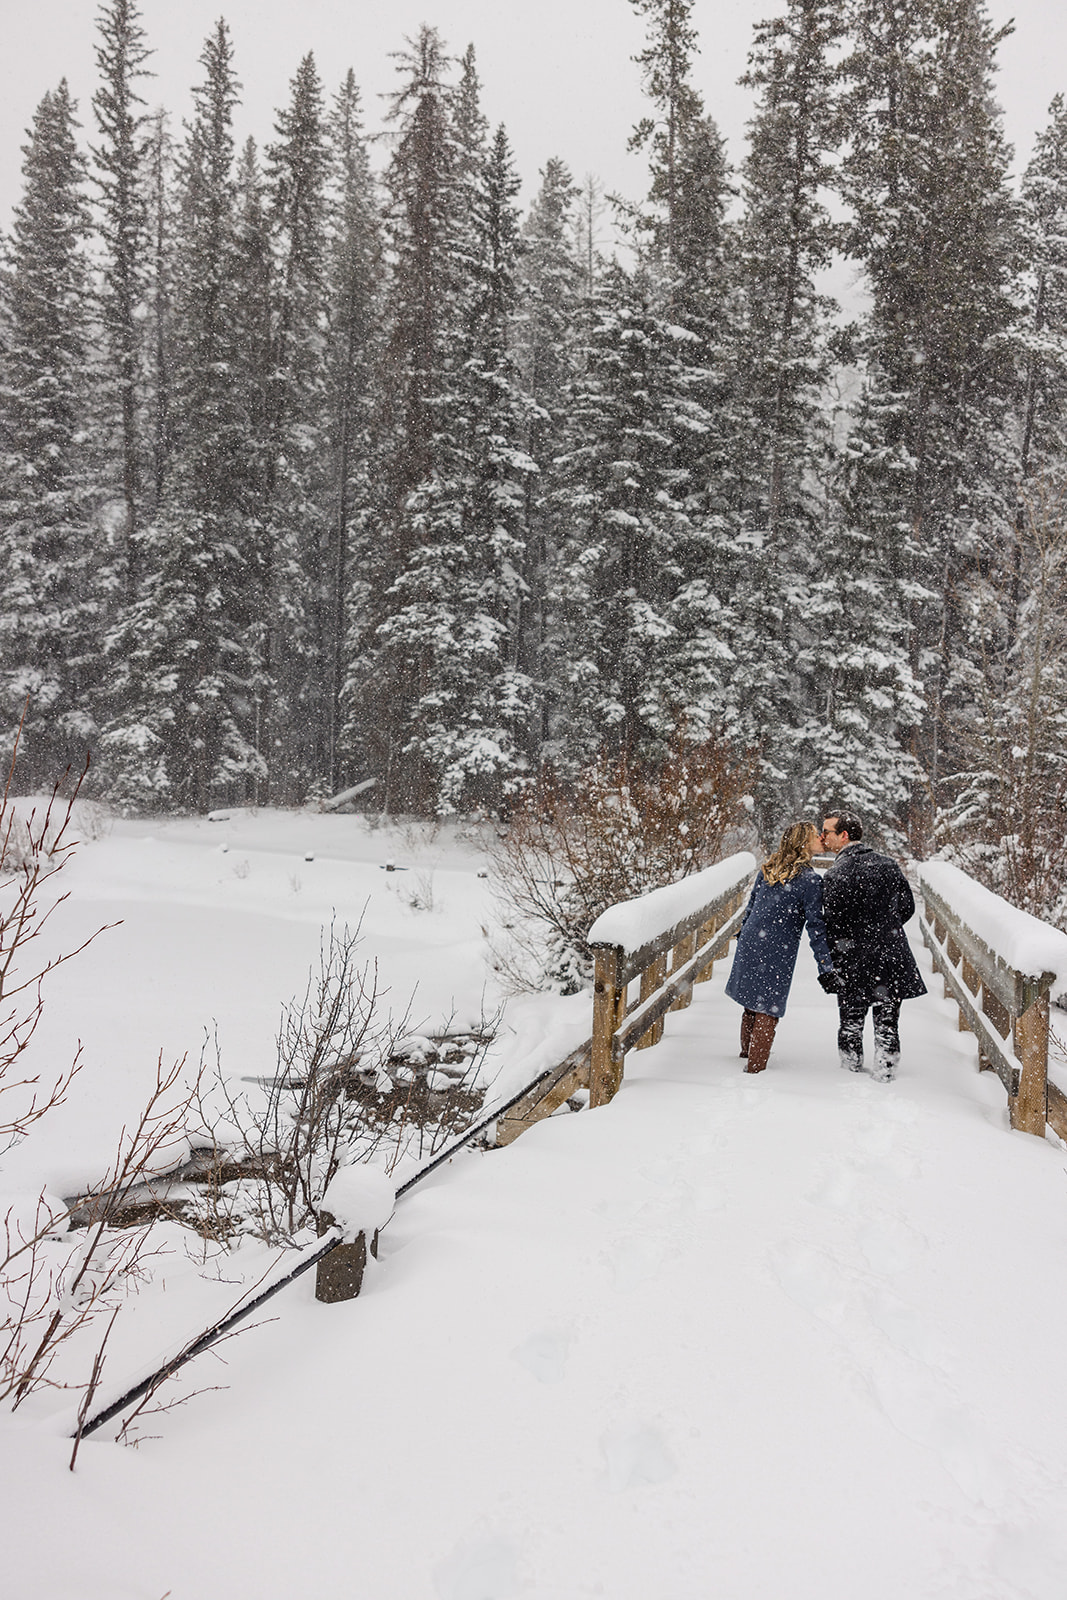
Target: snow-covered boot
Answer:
pixel 850 1062
pixel 885 1066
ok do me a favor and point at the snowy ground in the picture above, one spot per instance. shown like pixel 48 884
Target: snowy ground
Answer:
pixel 787 1336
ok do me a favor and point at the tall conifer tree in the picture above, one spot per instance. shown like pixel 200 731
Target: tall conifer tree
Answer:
pixel 49 603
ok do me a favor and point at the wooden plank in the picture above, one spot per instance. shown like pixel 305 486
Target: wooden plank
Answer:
pixel 681 956
pixel 1029 1107
pixel 651 979
pixel 998 1013
pixel 645 1013
pixel 1056 1112
pixel 1004 1064
pixel 571 1075
pixel 609 998
pixel 706 931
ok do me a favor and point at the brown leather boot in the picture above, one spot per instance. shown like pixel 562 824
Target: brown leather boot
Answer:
pixel 760 1039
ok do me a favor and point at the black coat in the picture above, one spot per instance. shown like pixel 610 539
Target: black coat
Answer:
pixel 866 902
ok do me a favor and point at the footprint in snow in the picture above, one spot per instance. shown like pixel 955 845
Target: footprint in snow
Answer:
pixel 637 1258
pixel 836 1189
pixel 889 1246
pixel 635 1453
pixel 813 1281
pixel 481 1568
pixel 921 1409
pixel 544 1354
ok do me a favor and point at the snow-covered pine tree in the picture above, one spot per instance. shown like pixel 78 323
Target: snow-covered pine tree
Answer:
pixel 185 656
pixel 425 299
pixel 355 270
pixel 863 699
pixel 781 365
pixel 480 730
pixel 634 653
pixel 934 226
pixel 545 339
pixel 446 647
pixel 666 72
pixel 160 159
pixel 1043 331
pixel 123 228
pixel 296 525
pixel 686 248
pixel 49 603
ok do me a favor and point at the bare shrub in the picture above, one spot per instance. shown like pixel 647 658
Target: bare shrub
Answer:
pixel 620 829
pixel 353 1083
pixel 54 1286
pixel 34 849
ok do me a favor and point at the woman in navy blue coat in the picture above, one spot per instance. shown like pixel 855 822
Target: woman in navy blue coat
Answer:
pixel 786 897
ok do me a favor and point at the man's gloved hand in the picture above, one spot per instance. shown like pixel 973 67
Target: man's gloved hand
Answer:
pixel 828 982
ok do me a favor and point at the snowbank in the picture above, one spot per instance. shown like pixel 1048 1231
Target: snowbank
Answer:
pixel 1024 942
pixel 360 1199
pixel 634 923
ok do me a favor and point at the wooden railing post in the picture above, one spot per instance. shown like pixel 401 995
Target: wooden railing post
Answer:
pixel 1030 1106
pixel 651 979
pixel 609 1002
pixel 706 931
pixel 683 951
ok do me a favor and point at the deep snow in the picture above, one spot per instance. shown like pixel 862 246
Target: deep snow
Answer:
pixel 791 1335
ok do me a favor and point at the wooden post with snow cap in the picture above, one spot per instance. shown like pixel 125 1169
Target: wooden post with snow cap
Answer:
pixel 609 1002
pixel 999 964
pixel 693 921
pixel 1029 1106
pixel 359 1200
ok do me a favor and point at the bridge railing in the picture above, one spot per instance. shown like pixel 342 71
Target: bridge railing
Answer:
pixel 670 939
pixel 1000 966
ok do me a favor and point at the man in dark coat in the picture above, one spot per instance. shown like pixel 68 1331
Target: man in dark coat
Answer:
pixel 866 902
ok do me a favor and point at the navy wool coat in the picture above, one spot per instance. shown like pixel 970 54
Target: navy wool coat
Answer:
pixel 867 900
pixel 769 938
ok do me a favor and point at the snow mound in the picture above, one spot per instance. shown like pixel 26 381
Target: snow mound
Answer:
pixel 360 1199
pixel 634 923
pixel 1026 943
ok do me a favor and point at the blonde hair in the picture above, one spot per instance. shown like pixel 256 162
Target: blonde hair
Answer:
pixel 791 855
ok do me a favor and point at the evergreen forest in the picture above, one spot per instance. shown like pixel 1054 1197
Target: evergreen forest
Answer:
pixel 326 461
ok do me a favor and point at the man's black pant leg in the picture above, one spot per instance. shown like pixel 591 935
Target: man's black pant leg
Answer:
pixel 851 1012
pixel 886 1037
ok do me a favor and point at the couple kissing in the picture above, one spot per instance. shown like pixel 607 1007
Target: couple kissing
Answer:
pixel 855 920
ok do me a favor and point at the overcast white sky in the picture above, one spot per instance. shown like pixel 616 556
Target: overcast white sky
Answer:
pixel 557 72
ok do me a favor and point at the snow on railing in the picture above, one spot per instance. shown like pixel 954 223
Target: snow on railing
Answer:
pixel 693 921
pixel 1001 966
pixel 638 922
pixel 1022 942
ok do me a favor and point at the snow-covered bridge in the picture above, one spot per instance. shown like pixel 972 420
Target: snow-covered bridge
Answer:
pixel 795 1335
